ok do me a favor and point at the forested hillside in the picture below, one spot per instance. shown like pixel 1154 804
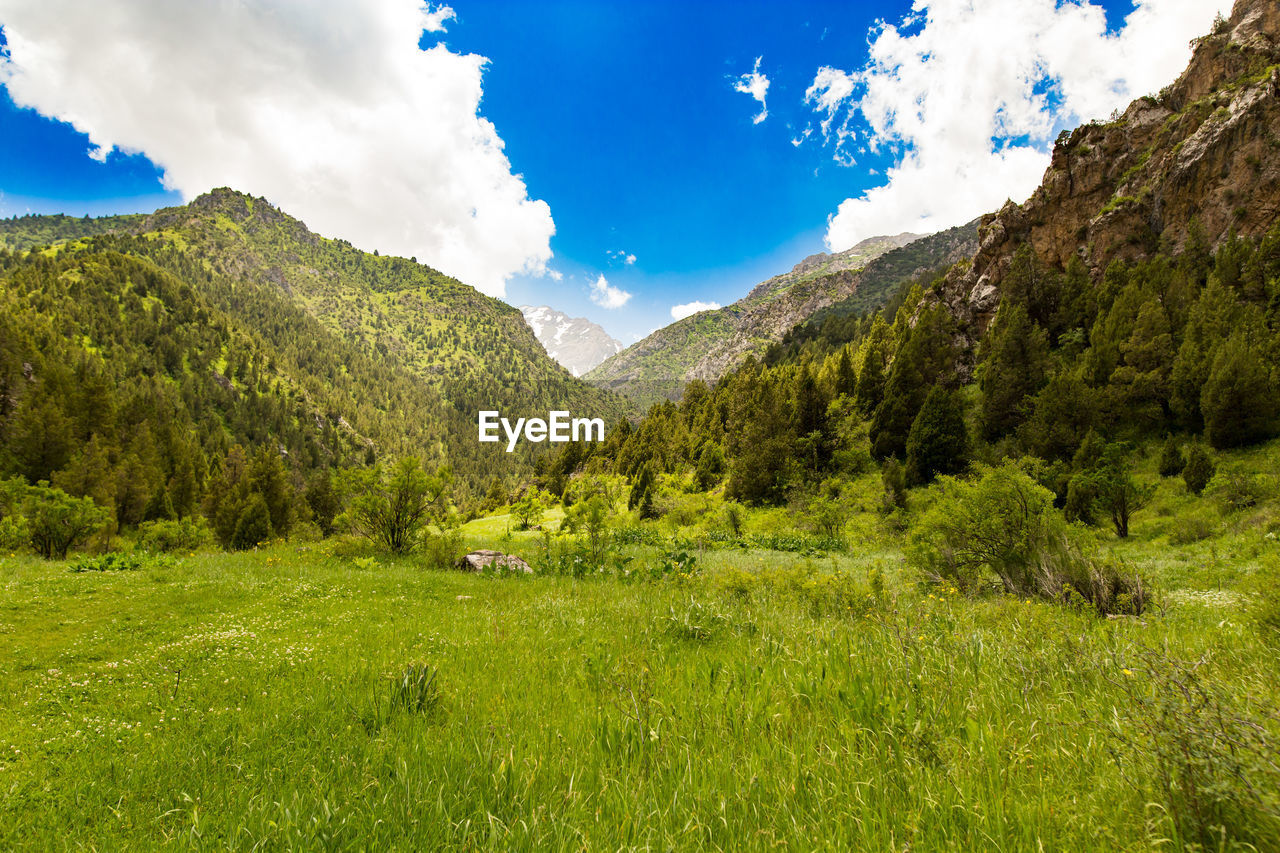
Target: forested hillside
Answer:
pixel 710 343
pixel 141 352
pixel 1049 358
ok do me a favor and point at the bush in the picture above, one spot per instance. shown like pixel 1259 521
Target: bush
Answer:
pixel 1236 488
pixel 1172 462
pixel 1199 469
pixel 109 563
pixel 187 534
pixel 396 507
pixel 1216 767
pixel 528 510
pixel 56 521
pixel 1002 530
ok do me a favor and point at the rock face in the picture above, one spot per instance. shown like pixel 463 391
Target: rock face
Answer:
pixel 479 561
pixel 708 344
pixel 1204 150
pixel 575 342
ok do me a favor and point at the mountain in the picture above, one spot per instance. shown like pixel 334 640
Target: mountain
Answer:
pixel 574 342
pixel 226 321
pixel 1195 162
pixel 709 343
pixel 1133 299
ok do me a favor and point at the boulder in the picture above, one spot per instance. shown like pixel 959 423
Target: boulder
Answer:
pixel 478 561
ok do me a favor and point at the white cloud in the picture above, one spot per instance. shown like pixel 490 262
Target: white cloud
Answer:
pixel 622 256
pixel 555 275
pixel 756 85
pixel 679 312
pixel 967 97
pixel 606 295
pixel 328 108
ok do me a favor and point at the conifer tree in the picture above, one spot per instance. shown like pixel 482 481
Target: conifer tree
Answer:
pixel 1171 459
pixel 1238 400
pixel 1199 469
pixel 938 442
pixel 1012 370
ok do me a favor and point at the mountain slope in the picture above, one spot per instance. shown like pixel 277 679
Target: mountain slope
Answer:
pixel 1201 152
pixel 388 352
pixel 575 343
pixel 708 344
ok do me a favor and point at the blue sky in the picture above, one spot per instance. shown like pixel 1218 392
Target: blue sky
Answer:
pixel 623 118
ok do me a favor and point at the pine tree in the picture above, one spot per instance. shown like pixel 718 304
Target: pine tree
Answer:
pixel 869 391
pixel 1172 462
pixel 253 526
pixel 938 442
pixel 1012 370
pixel 846 380
pixel 1238 400
pixel 1199 469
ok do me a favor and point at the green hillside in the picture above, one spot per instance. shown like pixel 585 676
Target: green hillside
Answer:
pixel 226 322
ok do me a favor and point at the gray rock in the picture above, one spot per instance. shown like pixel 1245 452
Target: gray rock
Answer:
pixel 479 561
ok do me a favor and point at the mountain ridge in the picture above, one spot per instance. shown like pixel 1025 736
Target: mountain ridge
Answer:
pixel 575 343
pixel 707 344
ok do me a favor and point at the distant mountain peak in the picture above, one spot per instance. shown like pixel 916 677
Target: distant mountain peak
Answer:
pixel 575 342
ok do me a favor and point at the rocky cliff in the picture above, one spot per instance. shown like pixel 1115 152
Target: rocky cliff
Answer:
pixel 1202 150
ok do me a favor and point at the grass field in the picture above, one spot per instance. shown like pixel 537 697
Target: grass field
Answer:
pixel 294 698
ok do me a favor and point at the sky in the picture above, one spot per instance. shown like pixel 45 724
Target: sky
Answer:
pixel 628 162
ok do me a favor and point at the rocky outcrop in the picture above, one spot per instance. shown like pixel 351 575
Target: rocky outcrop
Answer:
pixel 1206 150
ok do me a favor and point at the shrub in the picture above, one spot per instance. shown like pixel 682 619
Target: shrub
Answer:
pixel 186 534
pixel 1199 469
pixel 1237 488
pixel 108 563
pixel 528 510
pixel 56 521
pixel 394 508
pixel 1172 462
pixel 1216 766
pixel 1003 528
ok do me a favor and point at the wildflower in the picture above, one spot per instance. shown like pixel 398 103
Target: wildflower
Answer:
pixel 1127 672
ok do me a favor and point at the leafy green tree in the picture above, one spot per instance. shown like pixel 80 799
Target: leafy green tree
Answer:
pixel 1062 414
pixel 1212 319
pixel 1199 469
pixel 710 466
pixel 1172 462
pixel 1116 490
pixel 56 521
pixel 529 508
pixel 1238 400
pixel 938 442
pixel 40 440
pixel 395 507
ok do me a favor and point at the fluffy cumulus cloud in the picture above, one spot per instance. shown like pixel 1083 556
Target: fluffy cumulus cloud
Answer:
pixel 606 295
pixel 329 108
pixel 622 256
pixel 965 98
pixel 679 312
pixel 756 85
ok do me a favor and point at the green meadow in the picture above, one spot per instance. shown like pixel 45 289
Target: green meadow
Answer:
pixel 308 695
